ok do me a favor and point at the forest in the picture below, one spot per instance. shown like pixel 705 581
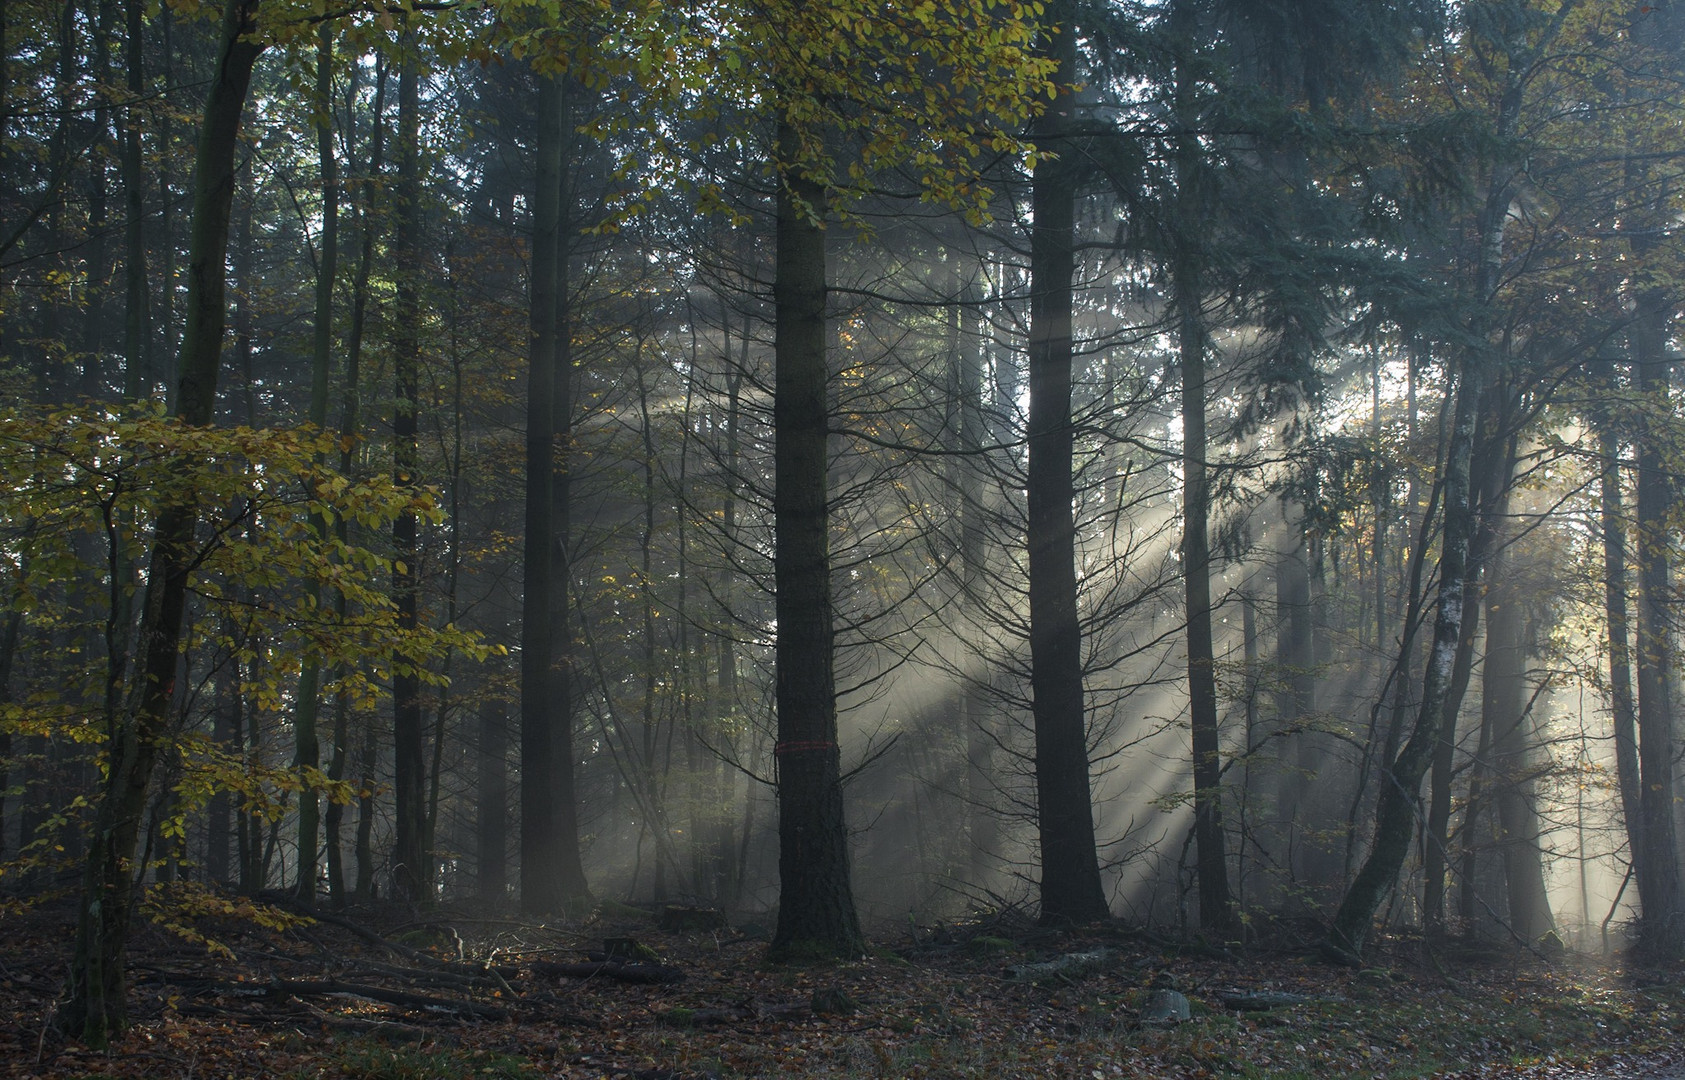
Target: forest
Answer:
pixel 1209 467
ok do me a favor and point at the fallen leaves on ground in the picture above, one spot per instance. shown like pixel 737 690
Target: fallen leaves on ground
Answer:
pixel 387 995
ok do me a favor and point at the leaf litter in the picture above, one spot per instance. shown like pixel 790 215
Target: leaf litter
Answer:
pixel 387 994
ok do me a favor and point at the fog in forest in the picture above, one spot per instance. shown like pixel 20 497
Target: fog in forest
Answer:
pixel 1212 466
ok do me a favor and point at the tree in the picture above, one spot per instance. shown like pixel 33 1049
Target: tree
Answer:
pixel 551 875
pixel 1659 30
pixel 1070 869
pixel 96 1006
pixel 815 900
pixel 1521 40
pixel 308 751
pixel 1186 259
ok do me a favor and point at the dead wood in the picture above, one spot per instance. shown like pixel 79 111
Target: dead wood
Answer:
pixel 317 987
pixel 634 971
pixel 323 987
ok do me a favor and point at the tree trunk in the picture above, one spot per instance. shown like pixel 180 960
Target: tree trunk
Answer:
pixel 976 709
pixel 307 752
pixel 412 877
pixel 1507 709
pixel 1401 776
pixel 492 802
pixel 137 315
pixel 1295 698
pixel 96 264
pixel 350 422
pixel 95 1005
pixel 1071 891
pixel 1662 920
pixel 552 876
pixel 1216 911
pixel 816 913
pixel 1624 720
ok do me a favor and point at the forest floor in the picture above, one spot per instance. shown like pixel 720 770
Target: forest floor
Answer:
pixel 457 994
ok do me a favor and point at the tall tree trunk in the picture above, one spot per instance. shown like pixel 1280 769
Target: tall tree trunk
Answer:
pixel 307 751
pixel 552 876
pixel 1662 920
pixel 1295 697
pixel 1508 710
pixel 1401 775
pixel 412 877
pixel 1216 912
pixel 95 261
pixel 350 423
pixel 1624 720
pixel 95 1004
pixel 732 868
pixel 976 709
pixel 1492 468
pixel 491 804
pixel 1071 891
pixel 816 913
pixel 137 315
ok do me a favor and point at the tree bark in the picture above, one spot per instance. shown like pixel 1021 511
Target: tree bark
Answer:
pixel 1071 891
pixel 1505 705
pixel 412 877
pixel 1618 623
pixel 350 423
pixel 307 751
pixel 816 913
pixel 137 316
pixel 491 804
pixel 1216 912
pixel 1401 776
pixel 552 876
pixel 1662 920
pixel 95 1005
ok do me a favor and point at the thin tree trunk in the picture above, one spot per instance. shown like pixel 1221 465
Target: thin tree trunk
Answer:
pixel 95 1005
pixel 731 866
pixel 1624 720
pixel 137 315
pixel 412 877
pixel 1216 911
pixel 350 423
pixel 492 803
pixel 453 566
pixel 307 751
pixel 1401 776
pixel 976 712
pixel 95 261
